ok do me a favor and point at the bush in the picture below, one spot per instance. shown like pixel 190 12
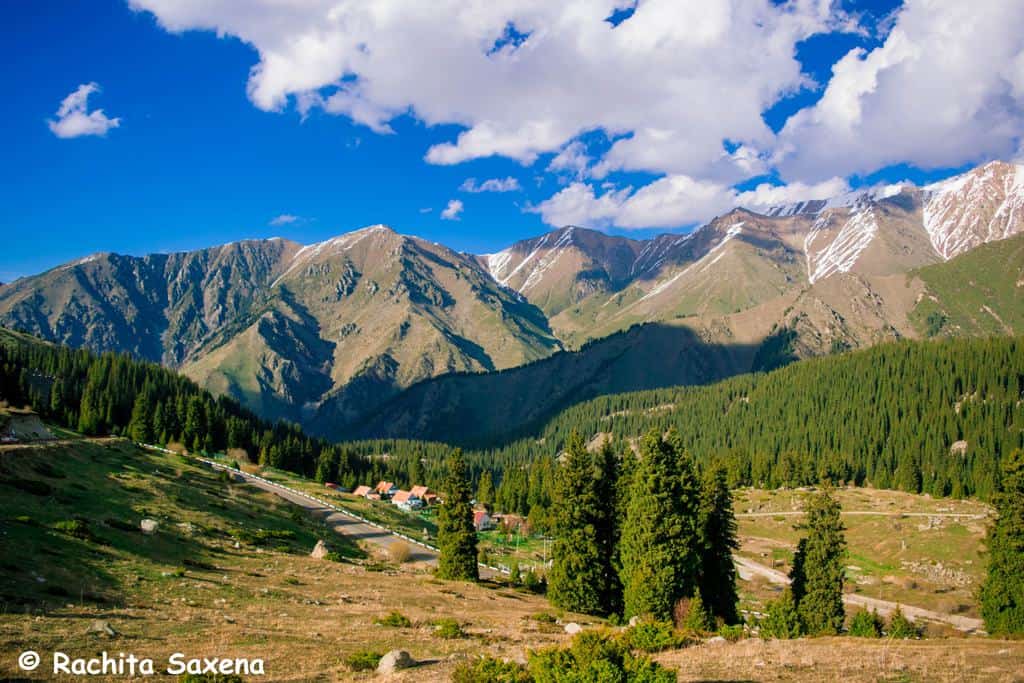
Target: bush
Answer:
pixel 782 620
pixel 534 583
pixel 364 660
pixel 697 618
pixel 395 620
pixel 652 636
pixel 490 670
pixel 901 627
pixel 865 624
pixel 515 577
pixel 399 552
pixel 732 633
pixel 545 617
pixel 594 656
pixel 78 528
pixel 448 629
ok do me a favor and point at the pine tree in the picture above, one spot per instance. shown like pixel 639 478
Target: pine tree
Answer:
pixel 609 525
pixel 658 537
pixel 819 567
pixel 140 428
pixel 1002 592
pixel 456 535
pixel 717 529
pixel 577 576
pixel 485 490
pixel 698 619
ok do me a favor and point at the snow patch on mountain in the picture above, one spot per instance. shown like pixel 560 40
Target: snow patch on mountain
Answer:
pixel 332 245
pixel 840 254
pixel 843 201
pixel 714 254
pixel 974 208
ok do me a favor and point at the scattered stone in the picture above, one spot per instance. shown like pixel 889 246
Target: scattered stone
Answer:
pixel 320 551
pixel 102 627
pixel 717 640
pixel 229 619
pixel 572 628
pixel 149 526
pixel 394 661
pixel 634 620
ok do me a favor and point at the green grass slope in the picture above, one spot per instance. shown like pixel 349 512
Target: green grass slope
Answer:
pixel 70 514
pixel 978 293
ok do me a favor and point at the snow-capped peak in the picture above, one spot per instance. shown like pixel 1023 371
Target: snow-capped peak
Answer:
pixel 845 200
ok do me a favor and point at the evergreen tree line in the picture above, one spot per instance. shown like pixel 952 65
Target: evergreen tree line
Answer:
pixel 932 417
pixel 115 394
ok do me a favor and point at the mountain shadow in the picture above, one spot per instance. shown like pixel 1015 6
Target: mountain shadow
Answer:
pixel 475 409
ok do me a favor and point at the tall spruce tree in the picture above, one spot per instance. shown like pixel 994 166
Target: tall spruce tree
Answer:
pixel 717 528
pixel 819 567
pixel 456 535
pixel 577 576
pixel 1002 592
pixel 485 490
pixel 609 525
pixel 659 545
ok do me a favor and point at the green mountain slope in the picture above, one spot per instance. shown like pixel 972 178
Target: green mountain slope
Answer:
pixel 978 293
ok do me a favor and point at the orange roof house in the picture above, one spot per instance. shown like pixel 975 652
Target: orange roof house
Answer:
pixel 361 491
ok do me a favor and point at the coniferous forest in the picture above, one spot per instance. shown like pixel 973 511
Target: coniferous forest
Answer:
pixel 934 417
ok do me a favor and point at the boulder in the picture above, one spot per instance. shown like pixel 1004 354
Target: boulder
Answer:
pixel 634 620
pixel 395 661
pixel 319 551
pixel 572 628
pixel 717 640
pixel 149 526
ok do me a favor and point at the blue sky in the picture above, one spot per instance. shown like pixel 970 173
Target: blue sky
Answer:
pixel 205 152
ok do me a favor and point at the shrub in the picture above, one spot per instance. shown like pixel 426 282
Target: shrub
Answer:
pixel 399 552
pixel 782 620
pixel 865 624
pixel 515 577
pixel 364 660
pixel 732 633
pixel 490 670
pixel 593 656
pixel 78 528
pixel 394 620
pixel 534 583
pixel 652 636
pixel 31 486
pixel 545 617
pixel 448 629
pixel 697 618
pixel 901 627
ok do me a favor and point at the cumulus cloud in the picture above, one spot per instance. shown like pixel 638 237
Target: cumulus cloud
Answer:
pixel 74 118
pixel 945 88
pixel 572 160
pixel 508 184
pixel 687 75
pixel 284 219
pixel 670 202
pixel 453 210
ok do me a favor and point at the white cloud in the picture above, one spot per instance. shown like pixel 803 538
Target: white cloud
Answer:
pixel 508 184
pixel 670 202
pixel 572 160
pixel 945 88
pixel 453 210
pixel 74 118
pixel 687 75
pixel 284 219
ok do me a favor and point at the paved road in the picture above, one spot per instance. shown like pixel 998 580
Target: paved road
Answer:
pixel 748 568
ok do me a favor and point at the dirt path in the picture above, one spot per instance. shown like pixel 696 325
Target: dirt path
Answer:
pixel 867 513
pixel 748 569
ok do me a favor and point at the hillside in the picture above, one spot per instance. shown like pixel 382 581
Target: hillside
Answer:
pixel 978 293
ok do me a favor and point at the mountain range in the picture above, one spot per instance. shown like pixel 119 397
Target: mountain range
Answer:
pixel 340 336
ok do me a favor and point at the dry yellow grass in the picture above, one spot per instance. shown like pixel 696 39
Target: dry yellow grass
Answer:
pixel 852 660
